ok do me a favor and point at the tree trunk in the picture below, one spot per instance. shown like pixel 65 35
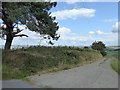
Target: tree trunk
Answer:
pixel 8 43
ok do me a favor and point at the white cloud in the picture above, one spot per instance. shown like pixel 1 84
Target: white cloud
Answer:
pixel 116 27
pixel 74 13
pixel 75 1
pixel 32 39
pixel 91 32
pixel 63 30
pixel 67 34
pixel 108 38
pixel 68 37
pixel 98 32
pixel 110 20
pixel 3 25
pixel 72 1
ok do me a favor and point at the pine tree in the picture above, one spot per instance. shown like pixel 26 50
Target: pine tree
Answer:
pixel 35 15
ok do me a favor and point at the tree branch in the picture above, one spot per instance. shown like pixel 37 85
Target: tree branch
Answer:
pixel 20 35
pixel 18 31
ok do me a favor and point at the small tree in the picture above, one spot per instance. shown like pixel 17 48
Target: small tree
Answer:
pixel 100 46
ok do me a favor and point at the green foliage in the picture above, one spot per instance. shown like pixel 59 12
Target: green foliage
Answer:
pixel 85 47
pixel 28 61
pixel 100 46
pixel 36 16
pixel 103 53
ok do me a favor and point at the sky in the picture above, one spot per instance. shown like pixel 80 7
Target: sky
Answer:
pixel 80 24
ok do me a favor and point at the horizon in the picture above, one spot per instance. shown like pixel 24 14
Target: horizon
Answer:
pixel 26 46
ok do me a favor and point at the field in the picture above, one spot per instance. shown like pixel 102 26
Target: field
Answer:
pixel 20 63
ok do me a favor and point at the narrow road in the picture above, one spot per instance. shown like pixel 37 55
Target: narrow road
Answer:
pixel 96 75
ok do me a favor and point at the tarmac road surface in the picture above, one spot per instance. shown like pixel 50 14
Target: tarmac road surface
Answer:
pixel 96 75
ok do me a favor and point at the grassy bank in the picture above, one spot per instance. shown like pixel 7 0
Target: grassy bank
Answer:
pixel 115 65
pixel 20 63
pixel 114 55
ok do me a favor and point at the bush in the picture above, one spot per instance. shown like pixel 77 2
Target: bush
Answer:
pixel 100 46
pixel 86 47
pixel 103 53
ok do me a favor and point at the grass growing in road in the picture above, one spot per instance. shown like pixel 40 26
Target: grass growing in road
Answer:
pixel 20 63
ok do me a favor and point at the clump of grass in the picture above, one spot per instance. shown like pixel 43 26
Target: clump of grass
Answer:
pixel 115 65
pixel 24 62
pixel 0 71
pixel 114 55
pixel 9 72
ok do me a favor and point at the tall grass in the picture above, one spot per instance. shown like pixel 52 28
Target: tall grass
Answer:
pixel 24 62
pixel 115 65
pixel 115 60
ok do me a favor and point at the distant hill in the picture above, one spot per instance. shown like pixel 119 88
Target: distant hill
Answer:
pixel 112 48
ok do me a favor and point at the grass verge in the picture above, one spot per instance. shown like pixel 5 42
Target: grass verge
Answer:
pixel 115 65
pixel 114 55
pixel 20 63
